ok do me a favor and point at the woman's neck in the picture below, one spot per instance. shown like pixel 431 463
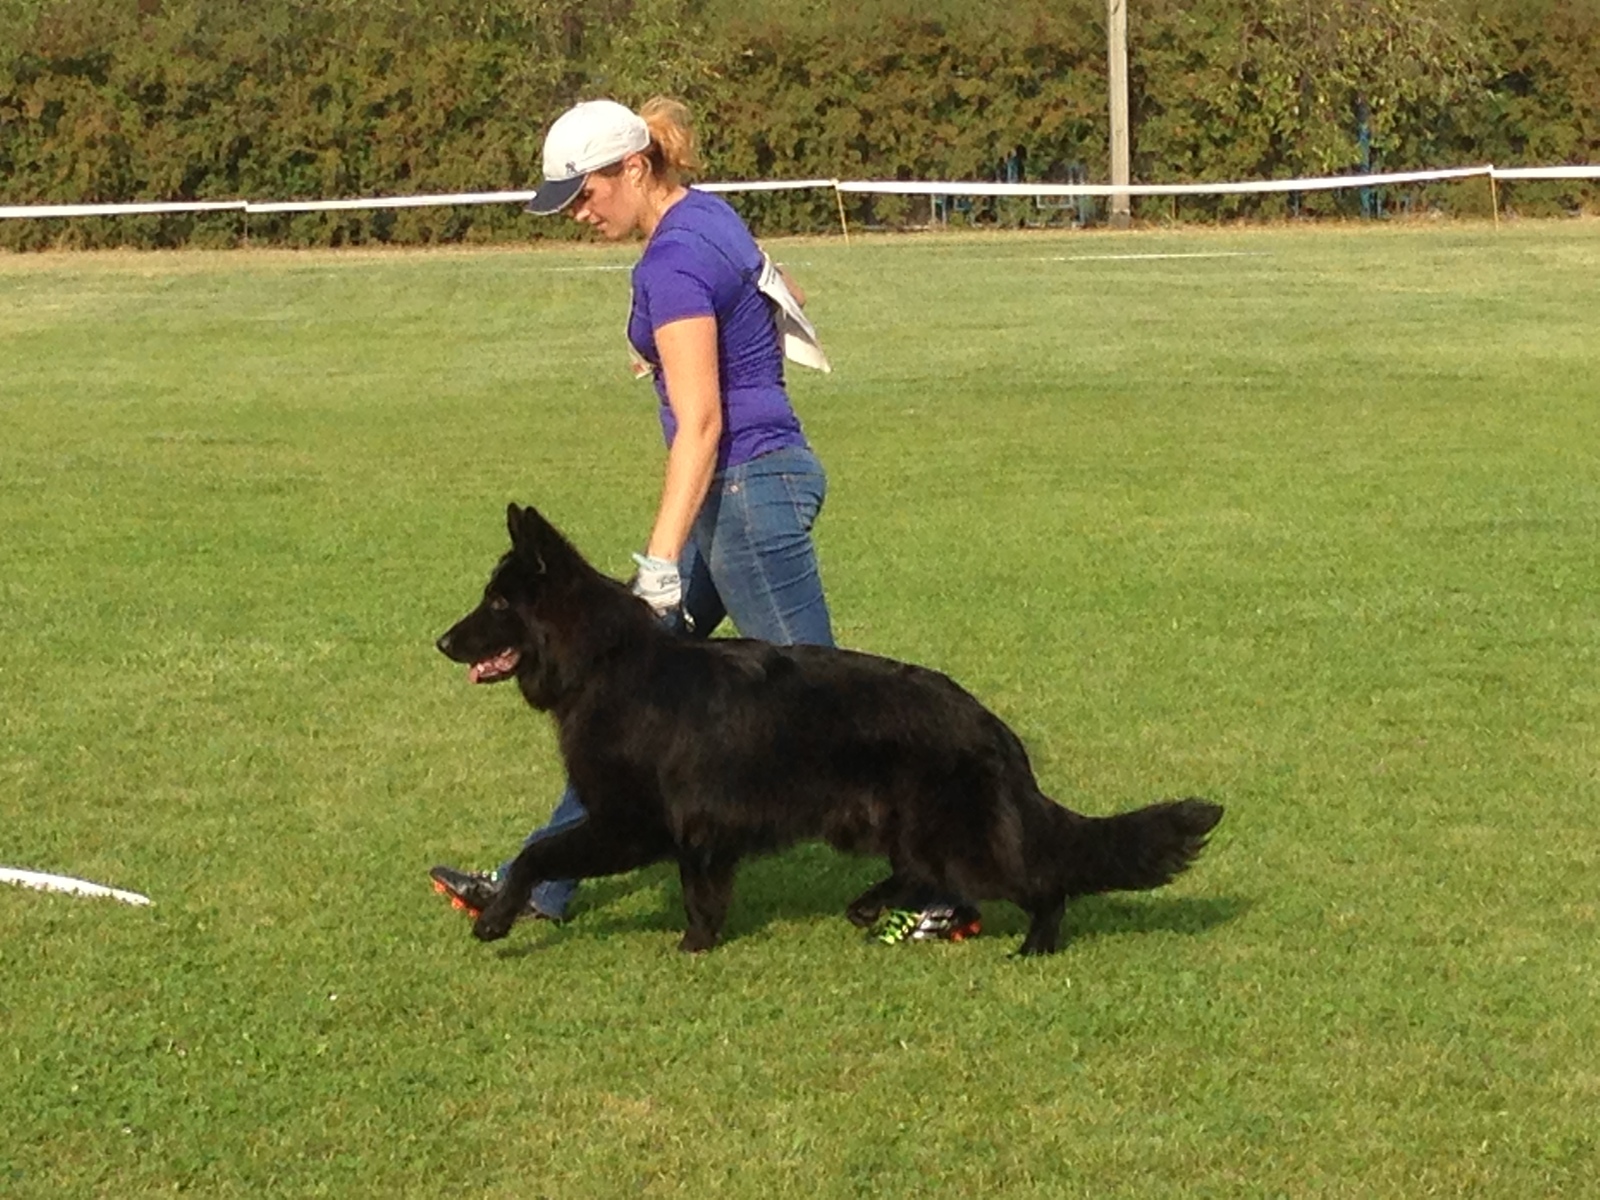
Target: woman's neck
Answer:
pixel 656 204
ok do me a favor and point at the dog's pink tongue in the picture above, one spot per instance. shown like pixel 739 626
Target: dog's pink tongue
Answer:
pixel 490 669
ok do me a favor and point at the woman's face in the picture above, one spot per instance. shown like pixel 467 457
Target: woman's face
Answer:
pixel 611 201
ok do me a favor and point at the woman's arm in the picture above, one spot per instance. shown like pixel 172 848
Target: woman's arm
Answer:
pixel 688 350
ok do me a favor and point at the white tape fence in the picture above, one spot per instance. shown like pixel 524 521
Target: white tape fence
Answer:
pixel 842 187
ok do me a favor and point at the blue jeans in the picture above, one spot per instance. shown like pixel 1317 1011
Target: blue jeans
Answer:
pixel 749 558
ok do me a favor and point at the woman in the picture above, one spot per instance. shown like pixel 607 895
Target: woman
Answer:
pixel 732 531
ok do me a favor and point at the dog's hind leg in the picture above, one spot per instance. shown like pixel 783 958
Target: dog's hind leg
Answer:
pixel 1044 933
pixel 707 890
pixel 579 851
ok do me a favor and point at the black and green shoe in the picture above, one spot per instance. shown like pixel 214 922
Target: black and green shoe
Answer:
pixel 937 923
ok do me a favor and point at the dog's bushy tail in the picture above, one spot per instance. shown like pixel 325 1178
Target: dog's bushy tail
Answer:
pixel 1138 850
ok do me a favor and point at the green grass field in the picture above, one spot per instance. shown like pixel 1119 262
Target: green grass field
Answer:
pixel 1306 524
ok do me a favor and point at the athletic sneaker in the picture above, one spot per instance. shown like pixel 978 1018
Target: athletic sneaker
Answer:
pixel 472 892
pixel 938 923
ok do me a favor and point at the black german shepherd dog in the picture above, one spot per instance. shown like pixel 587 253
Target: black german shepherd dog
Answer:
pixel 708 751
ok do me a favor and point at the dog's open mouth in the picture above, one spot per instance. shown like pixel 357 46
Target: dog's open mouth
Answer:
pixel 493 670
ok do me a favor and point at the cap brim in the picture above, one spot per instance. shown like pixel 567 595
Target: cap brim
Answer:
pixel 555 194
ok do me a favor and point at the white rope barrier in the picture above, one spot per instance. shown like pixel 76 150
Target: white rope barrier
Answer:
pixel 765 185
pixel 1589 172
pixel 881 187
pixel 896 187
pixel 293 206
pixel 116 210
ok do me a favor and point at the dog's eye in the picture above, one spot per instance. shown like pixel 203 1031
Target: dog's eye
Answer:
pixel 499 603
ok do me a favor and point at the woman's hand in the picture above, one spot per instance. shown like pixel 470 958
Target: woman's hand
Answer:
pixel 656 582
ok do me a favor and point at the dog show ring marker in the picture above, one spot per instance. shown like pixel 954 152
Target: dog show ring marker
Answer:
pixel 40 881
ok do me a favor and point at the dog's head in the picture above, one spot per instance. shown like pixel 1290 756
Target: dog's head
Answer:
pixel 545 614
pixel 504 634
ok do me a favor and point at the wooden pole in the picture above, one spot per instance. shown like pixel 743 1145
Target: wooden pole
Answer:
pixel 843 224
pixel 1117 54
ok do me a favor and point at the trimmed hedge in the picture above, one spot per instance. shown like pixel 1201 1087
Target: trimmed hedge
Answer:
pixel 121 100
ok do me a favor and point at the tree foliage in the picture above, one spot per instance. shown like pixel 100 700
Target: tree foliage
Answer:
pixel 120 100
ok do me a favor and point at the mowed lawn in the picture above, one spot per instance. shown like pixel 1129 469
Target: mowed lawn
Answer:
pixel 1301 520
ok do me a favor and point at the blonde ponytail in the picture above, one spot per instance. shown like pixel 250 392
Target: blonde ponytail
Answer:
pixel 673 154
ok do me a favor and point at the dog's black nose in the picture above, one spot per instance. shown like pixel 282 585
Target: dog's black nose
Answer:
pixel 443 644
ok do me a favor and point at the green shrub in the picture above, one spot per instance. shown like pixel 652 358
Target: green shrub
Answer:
pixel 106 101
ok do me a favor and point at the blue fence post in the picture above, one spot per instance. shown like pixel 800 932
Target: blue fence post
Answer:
pixel 1369 196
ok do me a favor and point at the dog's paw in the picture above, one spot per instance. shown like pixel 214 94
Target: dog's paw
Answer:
pixel 490 927
pixel 1032 949
pixel 863 916
pixel 697 942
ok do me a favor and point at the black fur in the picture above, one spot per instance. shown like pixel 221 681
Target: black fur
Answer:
pixel 707 751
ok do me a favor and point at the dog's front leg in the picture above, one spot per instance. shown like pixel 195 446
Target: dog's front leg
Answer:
pixel 707 890
pixel 495 922
pixel 582 850
pixel 868 907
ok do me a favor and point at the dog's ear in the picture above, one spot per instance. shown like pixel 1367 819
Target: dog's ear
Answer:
pixel 530 533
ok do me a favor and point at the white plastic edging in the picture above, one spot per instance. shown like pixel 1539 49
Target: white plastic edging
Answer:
pixel 42 882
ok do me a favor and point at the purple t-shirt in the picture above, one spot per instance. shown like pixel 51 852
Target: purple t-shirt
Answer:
pixel 702 262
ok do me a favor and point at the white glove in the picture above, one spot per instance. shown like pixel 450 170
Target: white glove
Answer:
pixel 656 582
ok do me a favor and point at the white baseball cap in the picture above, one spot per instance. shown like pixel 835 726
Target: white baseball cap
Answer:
pixel 585 138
